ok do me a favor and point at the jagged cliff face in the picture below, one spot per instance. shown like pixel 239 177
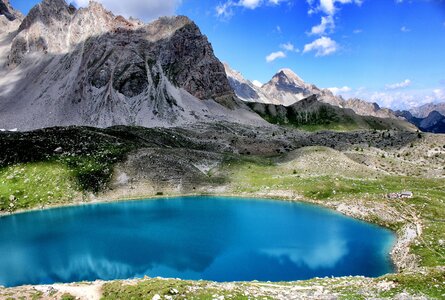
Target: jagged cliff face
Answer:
pixel 88 67
pixel 286 88
pixel 8 12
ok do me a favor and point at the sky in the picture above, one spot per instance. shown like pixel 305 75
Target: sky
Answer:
pixel 387 51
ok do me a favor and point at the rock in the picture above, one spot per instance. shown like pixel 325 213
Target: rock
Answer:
pixel 58 150
pixel 156 297
pixel 12 198
pixel 174 291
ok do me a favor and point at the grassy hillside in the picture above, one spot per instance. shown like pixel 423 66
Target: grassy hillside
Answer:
pixel 312 115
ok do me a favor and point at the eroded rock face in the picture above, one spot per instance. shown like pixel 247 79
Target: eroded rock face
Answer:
pixel 89 67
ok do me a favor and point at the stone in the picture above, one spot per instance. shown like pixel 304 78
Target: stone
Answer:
pixel 58 150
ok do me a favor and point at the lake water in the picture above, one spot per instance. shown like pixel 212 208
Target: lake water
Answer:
pixel 213 238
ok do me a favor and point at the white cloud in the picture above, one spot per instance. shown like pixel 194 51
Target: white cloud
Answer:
pixel 275 55
pixel 327 23
pixel 340 90
pixel 226 9
pixel 399 99
pixel 357 31
pixel 289 47
pixel 257 83
pixel 328 7
pixel 322 46
pixel 439 94
pixel 399 85
pixel 405 29
pixel 145 10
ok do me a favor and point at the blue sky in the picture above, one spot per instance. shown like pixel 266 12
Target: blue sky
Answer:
pixel 388 51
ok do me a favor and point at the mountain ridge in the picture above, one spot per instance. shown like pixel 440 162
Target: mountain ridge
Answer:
pixel 68 66
pixel 424 110
pixel 286 88
pixel 434 122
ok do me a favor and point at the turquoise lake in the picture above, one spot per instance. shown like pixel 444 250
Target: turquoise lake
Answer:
pixel 212 238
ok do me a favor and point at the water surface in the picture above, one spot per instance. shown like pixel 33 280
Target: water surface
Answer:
pixel 213 238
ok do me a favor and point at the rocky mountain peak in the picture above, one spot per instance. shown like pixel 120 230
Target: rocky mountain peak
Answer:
pixel 286 78
pixel 8 11
pixel 48 12
pixel 289 75
pixel 89 67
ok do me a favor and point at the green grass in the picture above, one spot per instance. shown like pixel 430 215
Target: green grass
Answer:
pixel 430 283
pixel 38 184
pixel 177 289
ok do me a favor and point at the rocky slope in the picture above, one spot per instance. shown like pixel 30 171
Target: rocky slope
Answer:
pixel 286 88
pixel 65 66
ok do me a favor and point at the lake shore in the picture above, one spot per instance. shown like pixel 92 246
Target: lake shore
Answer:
pixel 400 254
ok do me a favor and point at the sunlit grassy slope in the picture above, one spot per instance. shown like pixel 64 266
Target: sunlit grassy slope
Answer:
pixel 37 184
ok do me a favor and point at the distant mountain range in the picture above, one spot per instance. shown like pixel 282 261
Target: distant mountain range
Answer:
pixel 286 88
pixel 426 109
pixel 433 122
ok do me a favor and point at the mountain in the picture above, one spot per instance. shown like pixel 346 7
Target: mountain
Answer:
pixel 8 12
pixel 313 114
pixel 245 89
pixel 9 19
pixel 434 122
pixel 66 66
pixel 286 88
pixel 424 110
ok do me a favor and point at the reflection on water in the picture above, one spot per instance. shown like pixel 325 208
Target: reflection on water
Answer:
pixel 222 239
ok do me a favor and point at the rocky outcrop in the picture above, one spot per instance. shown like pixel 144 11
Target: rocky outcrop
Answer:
pixel 89 67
